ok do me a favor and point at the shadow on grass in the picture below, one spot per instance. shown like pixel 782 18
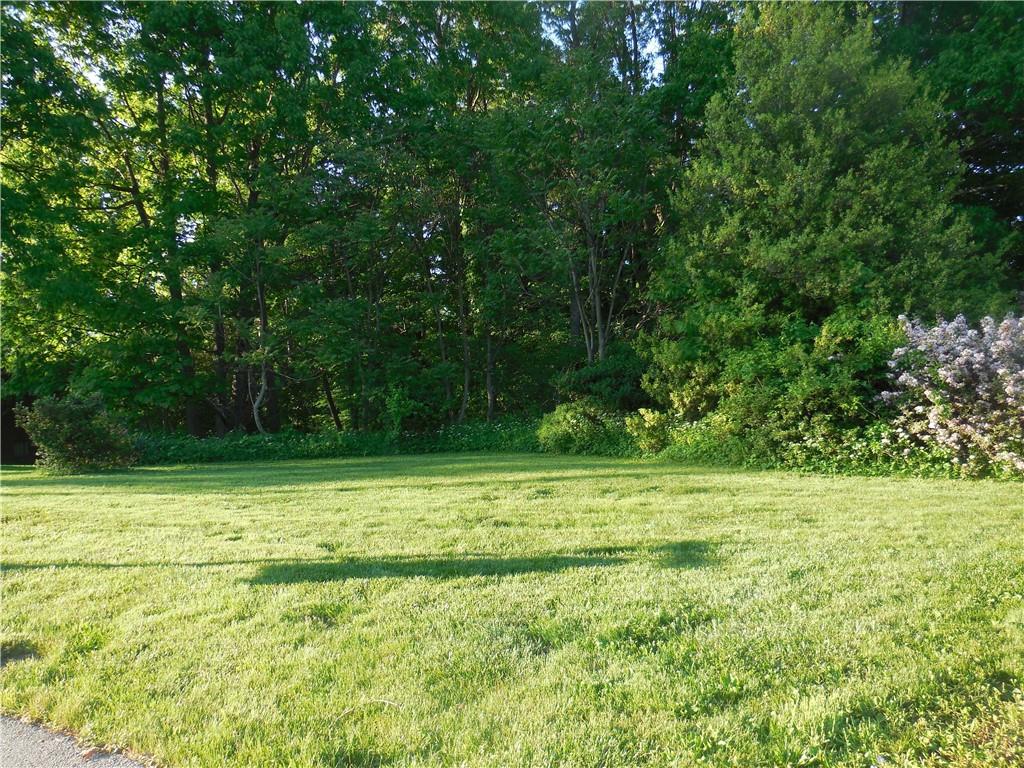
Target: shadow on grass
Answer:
pixel 262 488
pixel 679 554
pixel 426 567
pixel 683 554
pixel 688 554
pixel 16 649
pixel 392 472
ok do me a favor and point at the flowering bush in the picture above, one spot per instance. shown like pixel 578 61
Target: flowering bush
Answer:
pixel 876 449
pixel 962 389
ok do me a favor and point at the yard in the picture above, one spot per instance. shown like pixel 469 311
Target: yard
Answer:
pixel 516 611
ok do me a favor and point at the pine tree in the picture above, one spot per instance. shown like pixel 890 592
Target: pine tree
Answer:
pixel 820 200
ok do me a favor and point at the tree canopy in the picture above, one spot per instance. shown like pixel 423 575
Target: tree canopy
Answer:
pixel 251 216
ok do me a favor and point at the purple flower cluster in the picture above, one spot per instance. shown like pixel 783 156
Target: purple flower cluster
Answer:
pixel 962 388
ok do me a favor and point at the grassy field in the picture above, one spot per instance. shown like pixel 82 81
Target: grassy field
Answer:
pixel 516 611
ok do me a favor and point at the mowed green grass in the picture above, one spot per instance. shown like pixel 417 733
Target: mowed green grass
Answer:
pixel 485 610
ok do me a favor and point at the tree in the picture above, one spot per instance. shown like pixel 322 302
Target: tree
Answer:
pixel 599 180
pixel 819 205
pixel 970 53
pixel 224 216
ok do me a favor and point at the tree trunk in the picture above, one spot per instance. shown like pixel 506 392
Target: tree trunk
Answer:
pixel 364 401
pixel 458 258
pixel 171 270
pixel 273 419
pixel 584 321
pixel 464 331
pixel 188 371
pixel 241 392
pixel 220 368
pixel 595 300
pixel 574 316
pixel 632 10
pixel 258 400
pixel 330 401
pixel 221 395
pixel 265 381
pixel 491 392
pixel 442 347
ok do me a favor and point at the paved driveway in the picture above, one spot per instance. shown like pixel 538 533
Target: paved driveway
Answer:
pixel 23 745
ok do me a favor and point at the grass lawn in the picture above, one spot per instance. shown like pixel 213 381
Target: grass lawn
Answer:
pixel 516 611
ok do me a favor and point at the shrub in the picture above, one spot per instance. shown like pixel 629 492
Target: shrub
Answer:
pixel 785 380
pixel 962 389
pixel 957 402
pixel 76 434
pixel 651 431
pixel 713 440
pixel 873 450
pixel 184 449
pixel 502 436
pixel 585 427
pixel 613 383
pixel 878 449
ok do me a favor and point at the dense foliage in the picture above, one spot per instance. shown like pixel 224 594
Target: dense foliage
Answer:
pixel 817 208
pixel 584 427
pixel 383 220
pixel 77 433
pixel 508 435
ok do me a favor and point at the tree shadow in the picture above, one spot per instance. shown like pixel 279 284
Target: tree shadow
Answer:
pixel 16 649
pixel 680 554
pixel 15 469
pixel 128 564
pixel 677 554
pixel 424 567
pixel 345 474
pixel 692 553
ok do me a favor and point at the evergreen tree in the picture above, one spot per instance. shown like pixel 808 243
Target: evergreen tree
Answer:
pixel 818 207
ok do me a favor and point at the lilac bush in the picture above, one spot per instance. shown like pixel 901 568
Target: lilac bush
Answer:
pixel 962 389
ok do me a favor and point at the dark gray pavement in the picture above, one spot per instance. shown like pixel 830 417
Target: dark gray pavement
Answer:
pixel 23 745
